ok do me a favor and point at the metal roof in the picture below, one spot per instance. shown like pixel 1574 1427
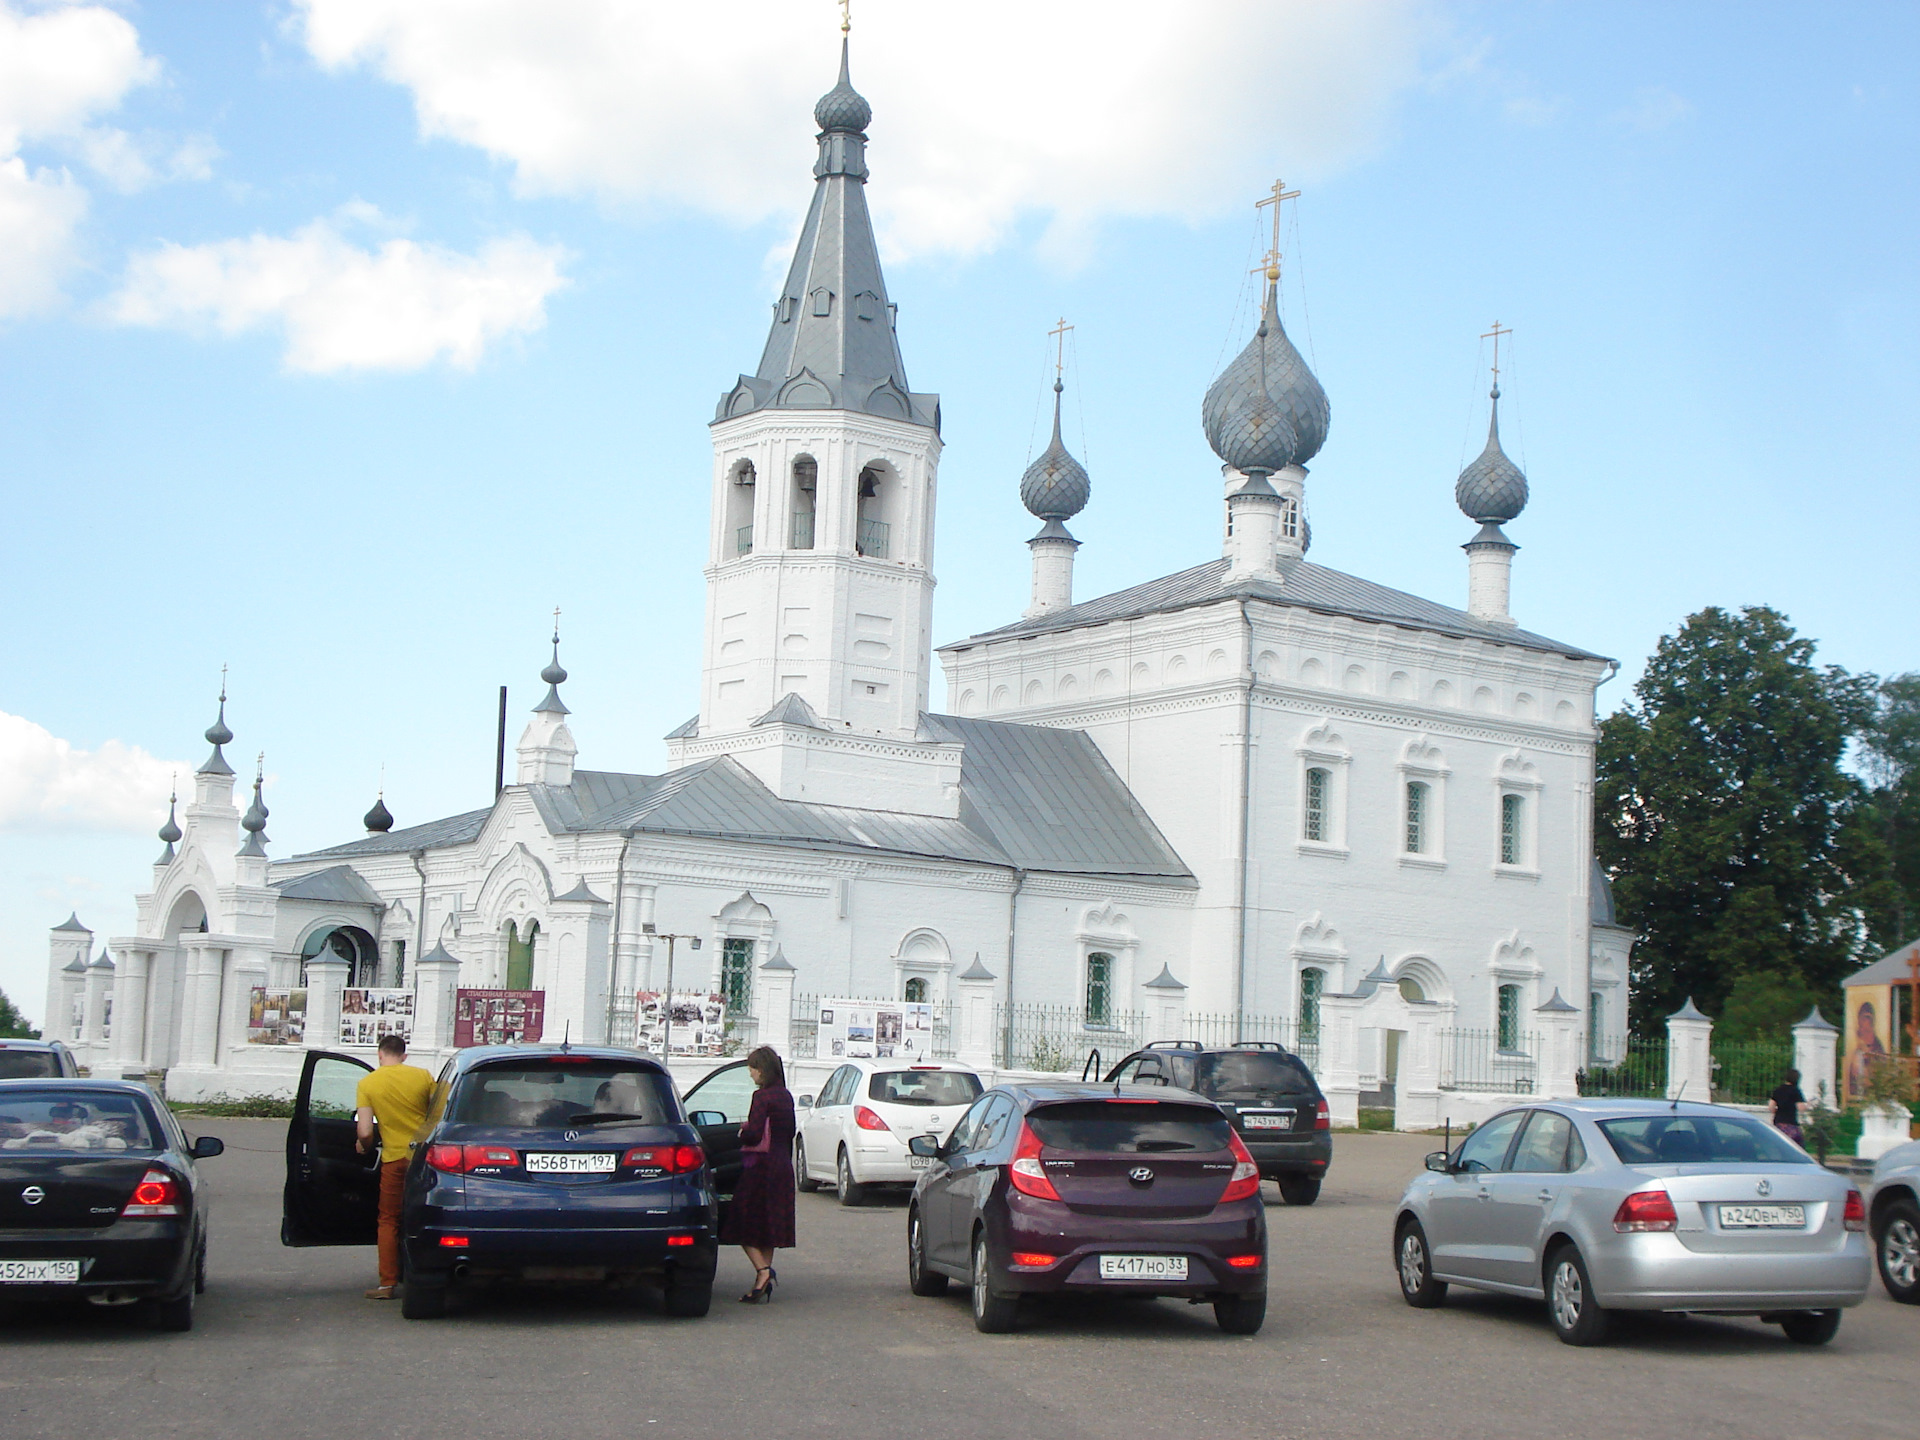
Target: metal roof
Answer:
pixel 1303 584
pixel 434 835
pixel 1889 967
pixel 339 884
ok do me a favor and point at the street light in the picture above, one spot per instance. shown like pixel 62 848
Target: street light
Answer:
pixel 666 1032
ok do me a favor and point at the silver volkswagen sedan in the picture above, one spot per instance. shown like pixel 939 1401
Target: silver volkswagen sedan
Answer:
pixel 1603 1205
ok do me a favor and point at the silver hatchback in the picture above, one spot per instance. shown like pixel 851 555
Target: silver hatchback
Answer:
pixel 1603 1205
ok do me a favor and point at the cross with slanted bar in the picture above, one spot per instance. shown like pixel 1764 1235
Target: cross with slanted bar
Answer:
pixel 1059 333
pixel 1494 335
pixel 1280 193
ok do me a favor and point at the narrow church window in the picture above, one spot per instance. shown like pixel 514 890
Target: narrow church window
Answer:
pixel 736 976
pixel 1416 817
pixel 1316 809
pixel 520 956
pixel 823 301
pixel 806 488
pixel 1099 989
pixel 916 991
pixel 1290 518
pixel 1596 1029
pixel 1312 982
pixel 865 303
pixel 1510 839
pixel 399 962
pixel 1509 1037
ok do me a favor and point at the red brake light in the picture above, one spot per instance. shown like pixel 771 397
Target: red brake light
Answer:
pixel 867 1119
pixel 673 1159
pixel 1026 1173
pixel 1245 1184
pixel 1856 1216
pixel 1244 1262
pixel 1646 1210
pixel 1322 1118
pixel 679 1240
pixel 453 1242
pixel 158 1193
pixel 459 1159
pixel 1033 1258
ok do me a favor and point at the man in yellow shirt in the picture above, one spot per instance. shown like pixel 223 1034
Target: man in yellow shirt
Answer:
pixel 394 1097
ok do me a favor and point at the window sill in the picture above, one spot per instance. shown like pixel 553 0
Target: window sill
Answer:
pixel 1422 862
pixel 1515 872
pixel 1320 847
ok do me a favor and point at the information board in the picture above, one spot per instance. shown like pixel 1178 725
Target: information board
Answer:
pixel 874 1030
pixel 367 1016
pixel 498 1017
pixel 276 1017
pixel 699 1022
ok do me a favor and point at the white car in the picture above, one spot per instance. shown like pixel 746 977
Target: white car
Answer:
pixel 855 1133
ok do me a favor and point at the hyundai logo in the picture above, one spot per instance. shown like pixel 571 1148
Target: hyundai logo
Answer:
pixel 1764 1188
pixel 1141 1175
pixel 33 1194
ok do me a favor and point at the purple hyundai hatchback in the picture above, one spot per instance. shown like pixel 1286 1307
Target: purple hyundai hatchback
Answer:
pixel 1090 1189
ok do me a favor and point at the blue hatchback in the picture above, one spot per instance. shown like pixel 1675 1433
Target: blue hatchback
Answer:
pixel 571 1164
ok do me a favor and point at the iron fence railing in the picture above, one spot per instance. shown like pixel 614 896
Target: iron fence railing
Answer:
pixel 743 540
pixel 802 530
pixel 1221 1031
pixel 1745 1072
pixel 1476 1060
pixel 1640 1072
pixel 873 539
pixel 1059 1038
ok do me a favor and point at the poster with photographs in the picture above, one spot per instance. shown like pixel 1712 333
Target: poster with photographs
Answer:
pixel 498 1017
pixel 368 1016
pixel 875 1030
pixel 699 1022
pixel 276 1017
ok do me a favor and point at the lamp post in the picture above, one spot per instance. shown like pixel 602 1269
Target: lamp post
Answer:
pixel 666 1031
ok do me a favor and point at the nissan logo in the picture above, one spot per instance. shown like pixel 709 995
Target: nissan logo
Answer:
pixel 33 1194
pixel 1764 1188
pixel 1141 1175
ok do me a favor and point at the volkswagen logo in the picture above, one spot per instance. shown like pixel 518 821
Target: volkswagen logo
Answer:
pixel 33 1194
pixel 1763 1189
pixel 1141 1175
pixel 573 1134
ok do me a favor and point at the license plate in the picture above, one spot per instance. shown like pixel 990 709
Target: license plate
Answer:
pixel 1143 1267
pixel 549 1163
pixel 39 1272
pixel 1276 1120
pixel 917 1162
pixel 1763 1217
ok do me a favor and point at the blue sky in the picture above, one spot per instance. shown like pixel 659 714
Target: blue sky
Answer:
pixel 344 339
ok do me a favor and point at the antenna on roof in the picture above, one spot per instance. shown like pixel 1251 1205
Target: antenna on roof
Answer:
pixel 566 1037
pixel 1676 1096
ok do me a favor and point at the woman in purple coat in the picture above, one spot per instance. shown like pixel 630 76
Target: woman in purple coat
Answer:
pixel 760 1220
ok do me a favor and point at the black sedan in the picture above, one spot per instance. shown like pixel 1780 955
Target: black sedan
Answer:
pixel 541 1163
pixel 100 1198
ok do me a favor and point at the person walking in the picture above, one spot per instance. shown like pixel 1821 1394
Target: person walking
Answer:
pixel 395 1098
pixel 760 1220
pixel 1787 1100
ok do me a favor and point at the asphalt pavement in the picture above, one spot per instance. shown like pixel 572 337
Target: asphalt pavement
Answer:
pixel 284 1346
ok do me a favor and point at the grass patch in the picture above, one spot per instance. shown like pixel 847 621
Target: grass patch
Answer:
pixel 242 1107
pixel 1375 1119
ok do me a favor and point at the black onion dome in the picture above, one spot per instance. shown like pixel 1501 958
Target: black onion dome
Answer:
pixel 1266 429
pixel 554 673
pixel 255 820
pixel 843 107
pixel 1492 490
pixel 1055 486
pixel 170 832
pixel 378 820
pixel 218 733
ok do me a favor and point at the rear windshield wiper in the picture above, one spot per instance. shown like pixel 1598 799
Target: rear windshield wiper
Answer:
pixel 604 1117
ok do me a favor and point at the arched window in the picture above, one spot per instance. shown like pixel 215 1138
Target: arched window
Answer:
pixel 1099 989
pixel 1512 841
pixel 1509 1037
pixel 1596 1026
pixel 736 976
pixel 874 538
pixel 1312 982
pixel 915 992
pixel 1410 990
pixel 806 486
pixel 1315 820
pixel 1289 518
pixel 737 537
pixel 520 956
pixel 1416 817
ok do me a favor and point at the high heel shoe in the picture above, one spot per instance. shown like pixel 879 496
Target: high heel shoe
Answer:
pixel 761 1294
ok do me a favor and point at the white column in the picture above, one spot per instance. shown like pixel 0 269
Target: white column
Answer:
pixel 1558 1025
pixel 246 969
pixel 1490 575
pixel 974 1042
pixel 1052 570
pixel 130 1011
pixel 1815 1047
pixel 1340 1057
pixel 436 975
pixel 774 1004
pixel 326 978
pixel 1689 1055
pixel 200 1014
pixel 1253 521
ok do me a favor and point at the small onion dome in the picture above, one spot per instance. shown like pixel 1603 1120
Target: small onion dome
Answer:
pixel 1055 486
pixel 170 832
pixel 843 107
pixel 553 674
pixel 1491 490
pixel 218 733
pixel 255 820
pixel 378 820
pixel 1266 411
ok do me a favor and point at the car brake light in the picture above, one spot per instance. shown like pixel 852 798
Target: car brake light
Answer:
pixel 674 1159
pixel 1244 1262
pixel 679 1240
pixel 453 1242
pixel 1322 1118
pixel 867 1119
pixel 1646 1210
pixel 459 1159
pixel 1856 1216
pixel 1245 1184
pixel 1026 1173
pixel 1033 1258
pixel 158 1193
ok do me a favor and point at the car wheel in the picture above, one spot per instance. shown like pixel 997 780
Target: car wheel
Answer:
pixel 175 1315
pixel 1415 1264
pixel 1811 1327
pixel 920 1279
pixel 1241 1314
pixel 1899 1252
pixel 689 1299
pixel 1578 1318
pixel 801 1179
pixel 849 1190
pixel 1299 1189
pixel 992 1314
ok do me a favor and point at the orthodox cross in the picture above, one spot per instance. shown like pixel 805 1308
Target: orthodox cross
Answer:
pixel 846 16
pixel 1494 335
pixel 1059 334
pixel 556 624
pixel 223 684
pixel 1280 194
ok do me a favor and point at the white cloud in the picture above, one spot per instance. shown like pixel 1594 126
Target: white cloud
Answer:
pixel 47 785
pixel 399 305
pixel 129 163
pixel 1655 108
pixel 1074 111
pixel 38 212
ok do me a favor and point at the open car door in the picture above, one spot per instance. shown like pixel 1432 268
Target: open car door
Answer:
pixel 721 1101
pixel 332 1195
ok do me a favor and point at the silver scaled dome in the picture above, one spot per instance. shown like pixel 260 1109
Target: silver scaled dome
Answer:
pixel 1055 486
pixel 1266 411
pixel 1492 490
pixel 843 107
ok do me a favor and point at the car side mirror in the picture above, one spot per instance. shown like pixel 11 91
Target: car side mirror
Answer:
pixel 1438 1161
pixel 925 1145
pixel 208 1146
pixel 805 1102
pixel 702 1119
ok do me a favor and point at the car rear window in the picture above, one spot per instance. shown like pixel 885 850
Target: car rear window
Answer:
pixel 924 1087
pixel 554 1094
pixel 1128 1127
pixel 1700 1140
pixel 27 1064
pixel 74 1121
pixel 1255 1075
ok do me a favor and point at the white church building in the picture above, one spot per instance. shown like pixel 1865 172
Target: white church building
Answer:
pixel 1256 798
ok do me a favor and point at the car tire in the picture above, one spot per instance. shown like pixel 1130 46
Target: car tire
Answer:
pixel 993 1314
pixel 920 1279
pixel 1299 1189
pixel 1241 1314
pixel 802 1181
pixel 175 1315
pixel 1811 1327
pixel 845 1188
pixel 1578 1319
pixel 422 1298
pixel 1897 1249
pixel 689 1299
pixel 1414 1263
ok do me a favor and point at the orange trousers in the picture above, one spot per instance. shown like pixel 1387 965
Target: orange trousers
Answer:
pixel 393 1184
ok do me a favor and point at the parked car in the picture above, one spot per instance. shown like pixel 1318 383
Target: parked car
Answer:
pixel 1604 1205
pixel 854 1134
pixel 1266 1091
pixel 100 1196
pixel 1135 1190
pixel 543 1163
pixel 35 1059
pixel 1894 1220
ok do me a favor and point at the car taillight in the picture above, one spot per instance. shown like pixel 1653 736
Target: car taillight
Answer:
pixel 1646 1210
pixel 1026 1173
pixel 158 1193
pixel 1244 1262
pixel 1033 1258
pixel 867 1119
pixel 1245 1183
pixel 677 1240
pixel 1322 1118
pixel 1856 1216
pixel 674 1159
pixel 460 1159
pixel 453 1242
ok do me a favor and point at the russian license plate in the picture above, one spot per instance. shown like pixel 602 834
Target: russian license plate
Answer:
pixel 550 1163
pixel 1763 1217
pixel 917 1162
pixel 1267 1120
pixel 1143 1267
pixel 39 1272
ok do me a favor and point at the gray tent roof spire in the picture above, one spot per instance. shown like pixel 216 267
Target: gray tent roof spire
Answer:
pixel 254 822
pixel 72 922
pixel 553 674
pixel 218 734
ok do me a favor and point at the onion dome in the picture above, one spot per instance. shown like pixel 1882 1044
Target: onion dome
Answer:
pixel 1266 411
pixel 217 735
pixel 254 822
pixel 1492 489
pixel 843 107
pixel 1055 486
pixel 170 832
pixel 378 820
pixel 553 674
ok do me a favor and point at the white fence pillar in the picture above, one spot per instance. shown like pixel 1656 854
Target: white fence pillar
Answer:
pixel 974 1042
pixel 1558 1024
pixel 130 1011
pixel 326 978
pixel 1689 1055
pixel 1416 1094
pixel 436 975
pixel 775 1004
pixel 1340 1057
pixel 1166 1007
pixel 1815 1053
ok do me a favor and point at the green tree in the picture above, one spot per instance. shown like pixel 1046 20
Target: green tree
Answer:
pixel 13 1025
pixel 1890 809
pixel 1724 816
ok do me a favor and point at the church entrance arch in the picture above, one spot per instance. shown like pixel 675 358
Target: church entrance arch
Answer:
pixel 519 967
pixel 343 942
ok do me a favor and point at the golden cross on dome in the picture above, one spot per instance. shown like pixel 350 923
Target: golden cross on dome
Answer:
pixel 1059 334
pixel 1494 335
pixel 846 16
pixel 556 624
pixel 1280 193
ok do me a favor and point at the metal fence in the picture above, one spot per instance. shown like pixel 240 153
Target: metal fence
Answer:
pixel 1476 1060
pixel 1222 1031
pixel 1640 1073
pixel 1058 1039
pixel 1745 1072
